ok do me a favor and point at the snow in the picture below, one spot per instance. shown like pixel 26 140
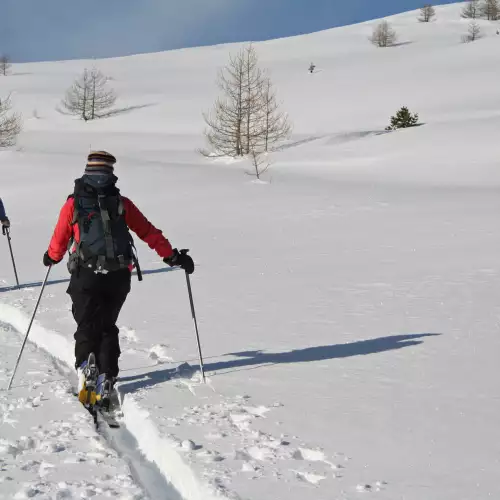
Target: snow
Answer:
pixel 49 448
pixel 347 304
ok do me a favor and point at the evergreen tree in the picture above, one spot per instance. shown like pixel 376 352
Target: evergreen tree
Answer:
pixel 403 119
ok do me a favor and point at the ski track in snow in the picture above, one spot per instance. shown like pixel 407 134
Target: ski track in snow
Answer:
pixel 46 435
pixel 232 446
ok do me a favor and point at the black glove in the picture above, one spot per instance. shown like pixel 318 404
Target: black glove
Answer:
pixel 181 259
pixel 5 225
pixel 47 261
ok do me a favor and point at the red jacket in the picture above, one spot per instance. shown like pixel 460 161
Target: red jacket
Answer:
pixel 133 217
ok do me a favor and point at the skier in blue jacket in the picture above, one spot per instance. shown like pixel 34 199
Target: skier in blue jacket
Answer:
pixel 4 220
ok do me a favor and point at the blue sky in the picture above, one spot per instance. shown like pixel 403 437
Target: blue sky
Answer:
pixel 35 30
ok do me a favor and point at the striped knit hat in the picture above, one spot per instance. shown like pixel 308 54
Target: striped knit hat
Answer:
pixel 100 162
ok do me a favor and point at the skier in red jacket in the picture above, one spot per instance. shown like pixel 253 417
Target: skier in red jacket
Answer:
pixel 97 219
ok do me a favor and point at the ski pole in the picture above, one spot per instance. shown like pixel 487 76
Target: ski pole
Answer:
pixel 6 232
pixel 29 327
pixel 188 281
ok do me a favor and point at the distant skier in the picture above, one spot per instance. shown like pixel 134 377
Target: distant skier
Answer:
pixel 97 219
pixel 312 68
pixel 4 220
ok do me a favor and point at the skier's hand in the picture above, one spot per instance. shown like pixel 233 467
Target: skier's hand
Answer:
pixel 181 259
pixel 5 223
pixel 47 261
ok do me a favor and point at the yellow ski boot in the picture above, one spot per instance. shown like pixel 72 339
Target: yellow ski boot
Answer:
pixel 87 381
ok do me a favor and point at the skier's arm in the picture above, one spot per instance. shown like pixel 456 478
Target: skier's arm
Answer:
pixel 62 232
pixel 148 233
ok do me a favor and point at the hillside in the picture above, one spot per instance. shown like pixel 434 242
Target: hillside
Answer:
pixel 347 306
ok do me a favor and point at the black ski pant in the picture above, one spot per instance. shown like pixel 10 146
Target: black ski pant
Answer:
pixel 97 301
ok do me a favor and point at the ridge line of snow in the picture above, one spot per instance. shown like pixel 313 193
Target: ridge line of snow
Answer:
pixel 154 446
pixel 160 450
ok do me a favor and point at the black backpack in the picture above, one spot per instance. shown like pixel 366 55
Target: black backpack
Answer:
pixel 106 244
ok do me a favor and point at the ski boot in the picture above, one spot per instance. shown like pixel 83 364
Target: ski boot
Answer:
pixel 104 391
pixel 87 381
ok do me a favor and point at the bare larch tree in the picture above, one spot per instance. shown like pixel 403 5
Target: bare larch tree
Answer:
pixel 427 13
pixel 274 123
pixel 472 9
pixel 383 35
pixel 252 102
pixel 89 97
pixel 5 64
pixel 226 121
pixel 474 32
pixel 247 116
pixel 491 9
pixel 259 164
pixel 10 124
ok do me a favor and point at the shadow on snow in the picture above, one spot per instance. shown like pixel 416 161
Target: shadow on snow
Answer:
pixel 248 360
pixel 37 284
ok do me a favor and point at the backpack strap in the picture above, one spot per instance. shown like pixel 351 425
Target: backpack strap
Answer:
pixel 106 220
pixel 135 259
pixel 73 221
pixel 75 209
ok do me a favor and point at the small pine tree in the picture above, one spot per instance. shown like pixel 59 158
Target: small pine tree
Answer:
pixel 427 12
pixel 403 119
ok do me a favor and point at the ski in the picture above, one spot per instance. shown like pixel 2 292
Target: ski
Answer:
pixel 110 410
pixel 108 417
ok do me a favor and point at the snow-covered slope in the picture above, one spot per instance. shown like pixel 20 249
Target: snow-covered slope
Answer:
pixel 348 308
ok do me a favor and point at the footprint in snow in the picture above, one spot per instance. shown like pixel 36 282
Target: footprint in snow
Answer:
pixel 30 465
pixel 159 354
pixel 28 491
pixel 128 334
pixel 257 411
pixel 210 456
pixel 189 445
pixel 215 436
pixel 367 488
pixel 310 455
pixel 241 421
pixel 309 477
